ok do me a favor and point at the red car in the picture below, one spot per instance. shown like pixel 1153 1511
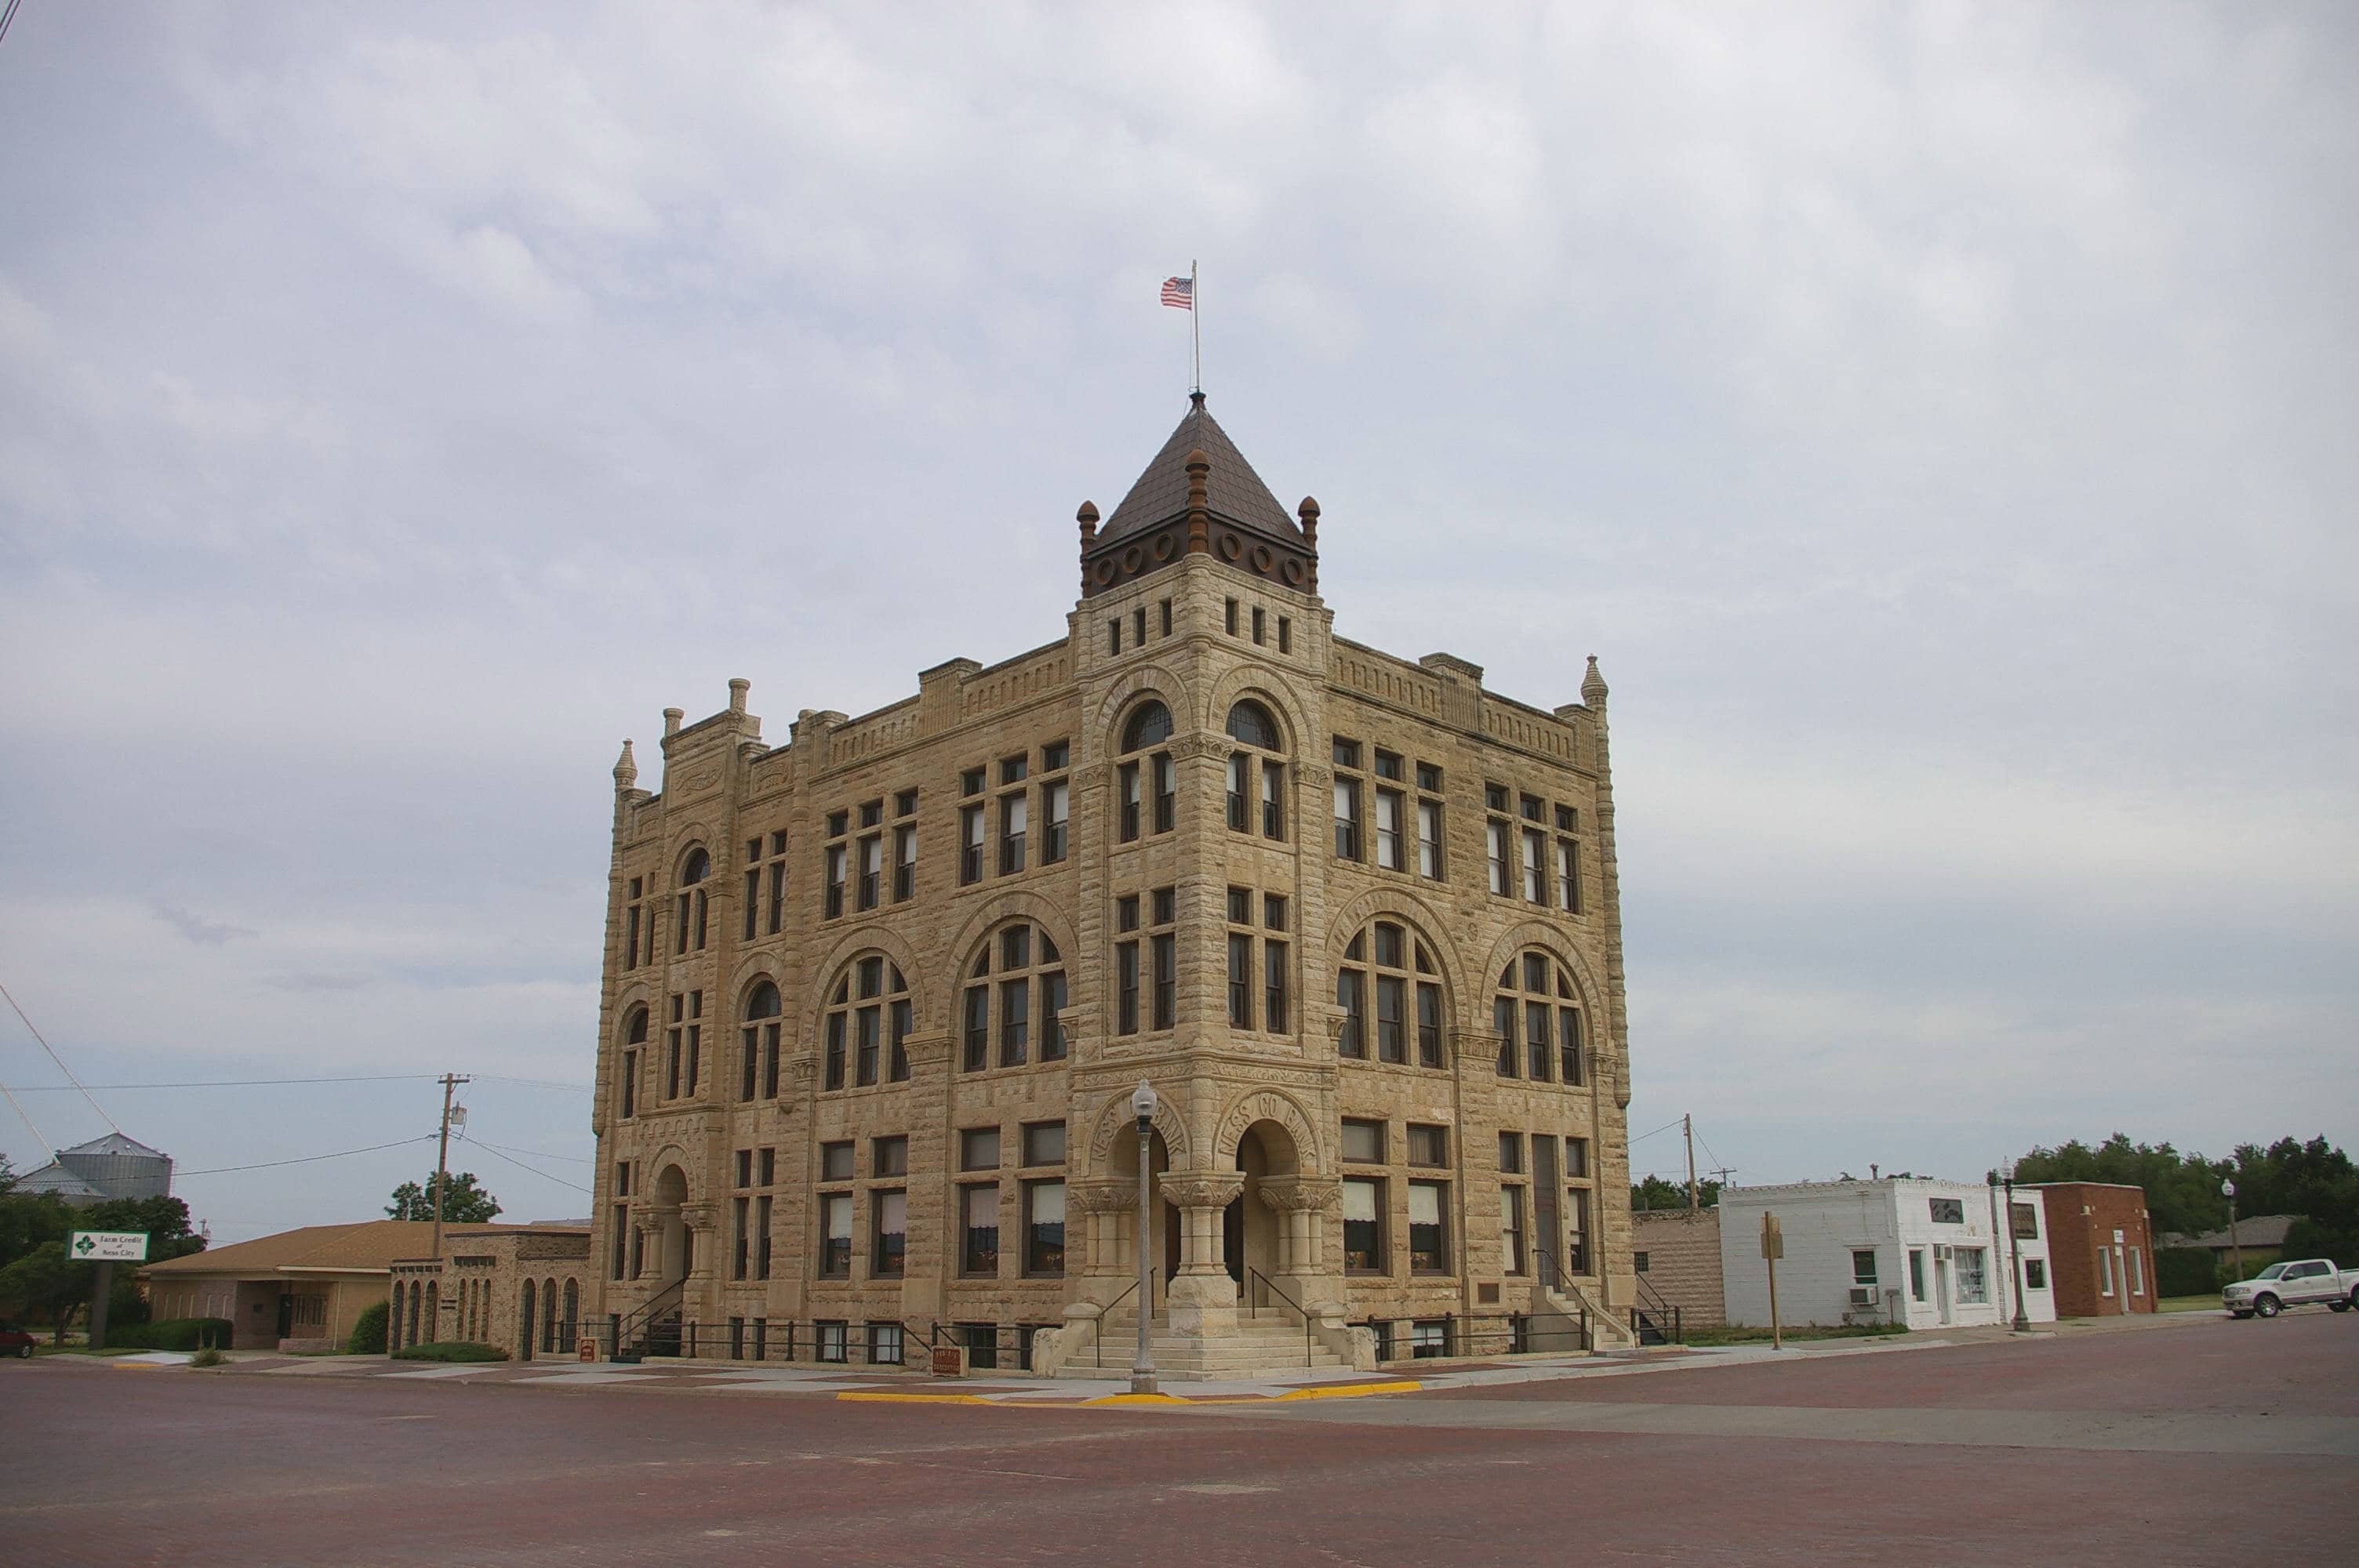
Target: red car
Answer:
pixel 15 1341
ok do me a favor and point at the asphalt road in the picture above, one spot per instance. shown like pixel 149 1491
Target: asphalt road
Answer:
pixel 2176 1444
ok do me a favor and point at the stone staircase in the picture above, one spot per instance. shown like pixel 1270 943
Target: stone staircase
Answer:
pixel 1266 1346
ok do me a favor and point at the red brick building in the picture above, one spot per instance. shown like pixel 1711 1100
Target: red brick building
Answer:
pixel 2100 1248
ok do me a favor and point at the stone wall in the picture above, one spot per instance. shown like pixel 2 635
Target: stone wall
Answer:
pixel 1681 1252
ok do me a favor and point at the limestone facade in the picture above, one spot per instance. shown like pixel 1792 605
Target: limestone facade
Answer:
pixel 524 1288
pixel 1677 1251
pixel 875 1000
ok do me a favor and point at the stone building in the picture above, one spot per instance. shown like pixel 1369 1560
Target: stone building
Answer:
pixel 1676 1254
pixel 522 1288
pixel 875 1000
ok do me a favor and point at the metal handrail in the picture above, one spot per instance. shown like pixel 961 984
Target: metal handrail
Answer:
pixel 644 1316
pixel 1097 1329
pixel 1252 1307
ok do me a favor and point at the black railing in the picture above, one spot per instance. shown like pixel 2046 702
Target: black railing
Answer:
pixel 1654 1320
pixel 651 1328
pixel 1453 1335
pixel 1256 1282
pixel 1145 1321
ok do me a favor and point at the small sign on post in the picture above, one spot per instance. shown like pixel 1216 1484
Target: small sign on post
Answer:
pixel 950 1360
pixel 1773 1247
pixel 589 1347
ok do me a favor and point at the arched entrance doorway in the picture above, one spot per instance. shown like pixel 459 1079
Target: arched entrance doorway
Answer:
pixel 672 1239
pixel 1251 1232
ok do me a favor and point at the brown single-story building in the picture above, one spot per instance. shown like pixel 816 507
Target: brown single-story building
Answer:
pixel 1677 1254
pixel 299 1290
pixel 2258 1240
pixel 2100 1248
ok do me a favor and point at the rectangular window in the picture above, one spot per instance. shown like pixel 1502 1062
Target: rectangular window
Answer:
pixel 740 1233
pixel 1164 605
pixel 835 1162
pixel 1392 1023
pixel 835 877
pixel 2026 1220
pixel 1167 980
pixel 884 1344
pixel 831 1341
pixel 1273 996
pixel 1347 819
pixel 1429 838
pixel 753 904
pixel 2035 1273
pixel 979 1149
pixel 1056 811
pixel 1167 792
pixel 2136 1269
pixel 1511 1153
pixel 1013 822
pixel 971 781
pixel 1503 1024
pixel 1974 1280
pixel 868 1028
pixel 888 1156
pixel 1429 1145
pixel 1273 802
pixel 1114 634
pixel 1015 1023
pixel 1350 995
pixel 970 844
pixel 1576 1230
pixel 1511 1230
pixel 1568 876
pixel 1284 635
pixel 1044 1228
pixel 1126 779
pixel 1576 1157
pixel 903 1018
pixel 1241 770
pixel 1388 764
pixel 778 893
pixel 1259 623
pixel 979 1229
pixel 888 1244
pixel 630 1082
pixel 1540 1041
pixel 1535 887
pixel 1570 1045
pixel 1052 1017
pixel 905 862
pixel 767 1168
pixel 872 813
pixel 1241 948
pixel 834 1051
pixel 761 1237
pixel 1363 1226
pixel 1229 616
pixel 904 805
pixel 978 1029
pixel 1862 1266
pixel 1138 625
pixel 1429 1250
pixel 622 1230
pixel 1494 840
pixel 1364 1141
pixel 1916 1273
pixel 1014 770
pixel 1429 1024
pixel 2105 1271
pixel 1043 1143
pixel 835 1235
pixel 1125 969
pixel 1947 1211
pixel 1390 854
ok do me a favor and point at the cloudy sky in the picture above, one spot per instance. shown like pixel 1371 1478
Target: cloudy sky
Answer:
pixel 1928 414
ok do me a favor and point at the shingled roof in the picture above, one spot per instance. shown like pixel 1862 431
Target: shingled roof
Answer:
pixel 367 1245
pixel 1232 488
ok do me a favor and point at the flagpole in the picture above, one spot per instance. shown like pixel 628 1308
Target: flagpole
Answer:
pixel 1196 323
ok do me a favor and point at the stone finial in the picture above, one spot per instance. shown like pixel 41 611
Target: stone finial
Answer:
pixel 1088 518
pixel 738 686
pixel 1309 514
pixel 626 770
pixel 1593 685
pixel 673 716
pixel 1199 518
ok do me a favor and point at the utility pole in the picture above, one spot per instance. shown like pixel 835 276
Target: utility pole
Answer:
pixel 450 1082
pixel 1688 1122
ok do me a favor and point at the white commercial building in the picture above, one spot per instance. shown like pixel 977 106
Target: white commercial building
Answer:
pixel 1926 1253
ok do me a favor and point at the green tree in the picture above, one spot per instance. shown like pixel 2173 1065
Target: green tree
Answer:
pixel 465 1202
pixel 45 1285
pixel 28 1220
pixel 1654 1191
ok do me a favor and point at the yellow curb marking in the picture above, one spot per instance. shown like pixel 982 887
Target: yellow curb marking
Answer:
pixel 1353 1390
pixel 885 1399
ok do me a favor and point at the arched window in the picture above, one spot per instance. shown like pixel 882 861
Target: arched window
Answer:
pixel 433 1310
pixel 758 1065
pixel 635 1040
pixel 527 1321
pixel 548 1316
pixel 1537 1005
pixel 397 1315
pixel 1388 986
pixel 573 1305
pixel 690 925
pixel 867 1013
pixel 1147 788
pixel 1256 784
pixel 1016 990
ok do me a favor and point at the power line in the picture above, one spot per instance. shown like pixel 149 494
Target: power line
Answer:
pixel 7 16
pixel 233 1083
pixel 1665 1128
pixel 533 1083
pixel 520 1165
pixel 3 989
pixel 308 1159
pixel 532 1153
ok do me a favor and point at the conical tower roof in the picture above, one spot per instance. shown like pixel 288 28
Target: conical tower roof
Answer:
pixel 1232 488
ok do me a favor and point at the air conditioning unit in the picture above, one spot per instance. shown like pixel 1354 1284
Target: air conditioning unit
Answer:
pixel 1863 1298
pixel 1943 1253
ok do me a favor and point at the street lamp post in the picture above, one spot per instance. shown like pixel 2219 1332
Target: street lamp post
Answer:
pixel 2022 1324
pixel 1142 1365
pixel 2228 1191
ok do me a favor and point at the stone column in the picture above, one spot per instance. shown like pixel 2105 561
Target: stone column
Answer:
pixel 699 1298
pixel 1204 1298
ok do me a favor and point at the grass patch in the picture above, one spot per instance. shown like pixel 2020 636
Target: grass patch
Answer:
pixel 451 1350
pixel 2188 1304
pixel 1735 1335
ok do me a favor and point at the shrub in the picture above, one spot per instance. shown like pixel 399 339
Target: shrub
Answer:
pixel 368 1332
pixel 451 1350
pixel 172 1333
pixel 207 1356
pixel 2186 1272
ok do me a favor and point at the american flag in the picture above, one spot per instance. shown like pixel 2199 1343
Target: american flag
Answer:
pixel 1180 292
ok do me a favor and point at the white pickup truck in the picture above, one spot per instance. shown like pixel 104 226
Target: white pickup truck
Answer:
pixel 2282 1285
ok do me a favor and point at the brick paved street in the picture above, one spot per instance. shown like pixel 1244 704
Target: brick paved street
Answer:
pixel 2168 1445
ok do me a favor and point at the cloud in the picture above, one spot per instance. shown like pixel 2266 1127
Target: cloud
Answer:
pixel 203 931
